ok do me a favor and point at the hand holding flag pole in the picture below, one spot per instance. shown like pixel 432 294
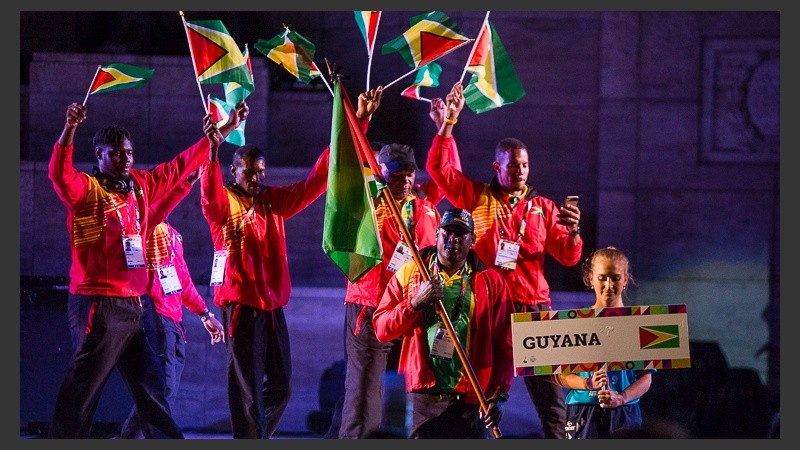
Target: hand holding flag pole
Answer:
pixel 365 154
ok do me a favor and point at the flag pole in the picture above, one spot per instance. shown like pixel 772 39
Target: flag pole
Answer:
pixel 472 52
pixel 194 65
pixel 323 79
pixel 391 203
pixel 434 59
pixel 85 99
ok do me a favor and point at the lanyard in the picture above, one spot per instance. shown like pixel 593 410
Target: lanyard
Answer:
pixel 408 208
pixel 464 272
pixel 119 214
pixel 522 225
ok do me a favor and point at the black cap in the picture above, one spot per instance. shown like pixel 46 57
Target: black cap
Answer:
pixel 458 217
pixel 397 157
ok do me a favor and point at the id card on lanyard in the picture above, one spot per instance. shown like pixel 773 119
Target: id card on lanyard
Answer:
pixel 218 267
pixel 508 250
pixel 170 282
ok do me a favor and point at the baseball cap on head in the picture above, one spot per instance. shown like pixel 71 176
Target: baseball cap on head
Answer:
pixel 397 157
pixel 458 217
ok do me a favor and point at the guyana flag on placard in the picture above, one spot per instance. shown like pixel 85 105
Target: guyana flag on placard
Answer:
pixel 115 77
pixel 291 51
pixel 494 82
pixel 431 36
pixel 216 56
pixel 350 230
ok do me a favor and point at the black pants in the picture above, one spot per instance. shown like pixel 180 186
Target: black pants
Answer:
pixel 445 416
pixel 547 396
pixel 107 332
pixel 259 369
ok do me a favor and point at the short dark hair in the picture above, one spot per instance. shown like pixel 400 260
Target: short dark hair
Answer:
pixel 506 145
pixel 247 151
pixel 110 135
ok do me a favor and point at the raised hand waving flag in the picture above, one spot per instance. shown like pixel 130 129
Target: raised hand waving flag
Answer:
pixel 118 76
pixel 494 81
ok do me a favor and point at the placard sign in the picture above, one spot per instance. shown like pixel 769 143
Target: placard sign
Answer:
pixel 584 340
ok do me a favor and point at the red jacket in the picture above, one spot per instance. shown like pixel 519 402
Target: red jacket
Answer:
pixel 257 268
pixel 95 232
pixel 488 348
pixel 492 212
pixel 369 288
pixel 165 247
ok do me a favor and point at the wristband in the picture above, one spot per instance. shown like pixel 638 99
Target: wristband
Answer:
pixel 450 121
pixel 576 231
pixel 589 385
pixel 206 316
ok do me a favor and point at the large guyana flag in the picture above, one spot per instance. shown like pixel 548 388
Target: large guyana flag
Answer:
pixel 431 36
pixel 494 82
pixel 117 76
pixel 350 230
pixel 215 55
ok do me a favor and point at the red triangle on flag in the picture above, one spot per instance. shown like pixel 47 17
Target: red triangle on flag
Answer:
pixel 646 337
pixel 102 78
pixel 432 45
pixel 204 51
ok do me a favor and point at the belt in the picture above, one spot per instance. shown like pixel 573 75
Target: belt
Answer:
pixel 446 397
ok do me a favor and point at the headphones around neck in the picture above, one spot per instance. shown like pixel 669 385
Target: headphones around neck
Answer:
pixel 123 186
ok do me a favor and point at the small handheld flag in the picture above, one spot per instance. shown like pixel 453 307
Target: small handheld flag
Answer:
pixel 118 76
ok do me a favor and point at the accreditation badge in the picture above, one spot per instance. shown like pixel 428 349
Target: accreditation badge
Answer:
pixel 401 255
pixel 218 267
pixel 170 282
pixel 134 251
pixel 507 254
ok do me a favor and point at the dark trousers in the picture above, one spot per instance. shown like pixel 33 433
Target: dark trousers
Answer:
pixel 107 332
pixel 547 396
pixel 259 369
pixel 445 416
pixel 366 358
pixel 167 340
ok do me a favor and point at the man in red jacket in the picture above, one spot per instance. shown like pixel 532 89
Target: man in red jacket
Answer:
pixel 514 228
pixel 250 275
pixel 109 215
pixel 478 304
